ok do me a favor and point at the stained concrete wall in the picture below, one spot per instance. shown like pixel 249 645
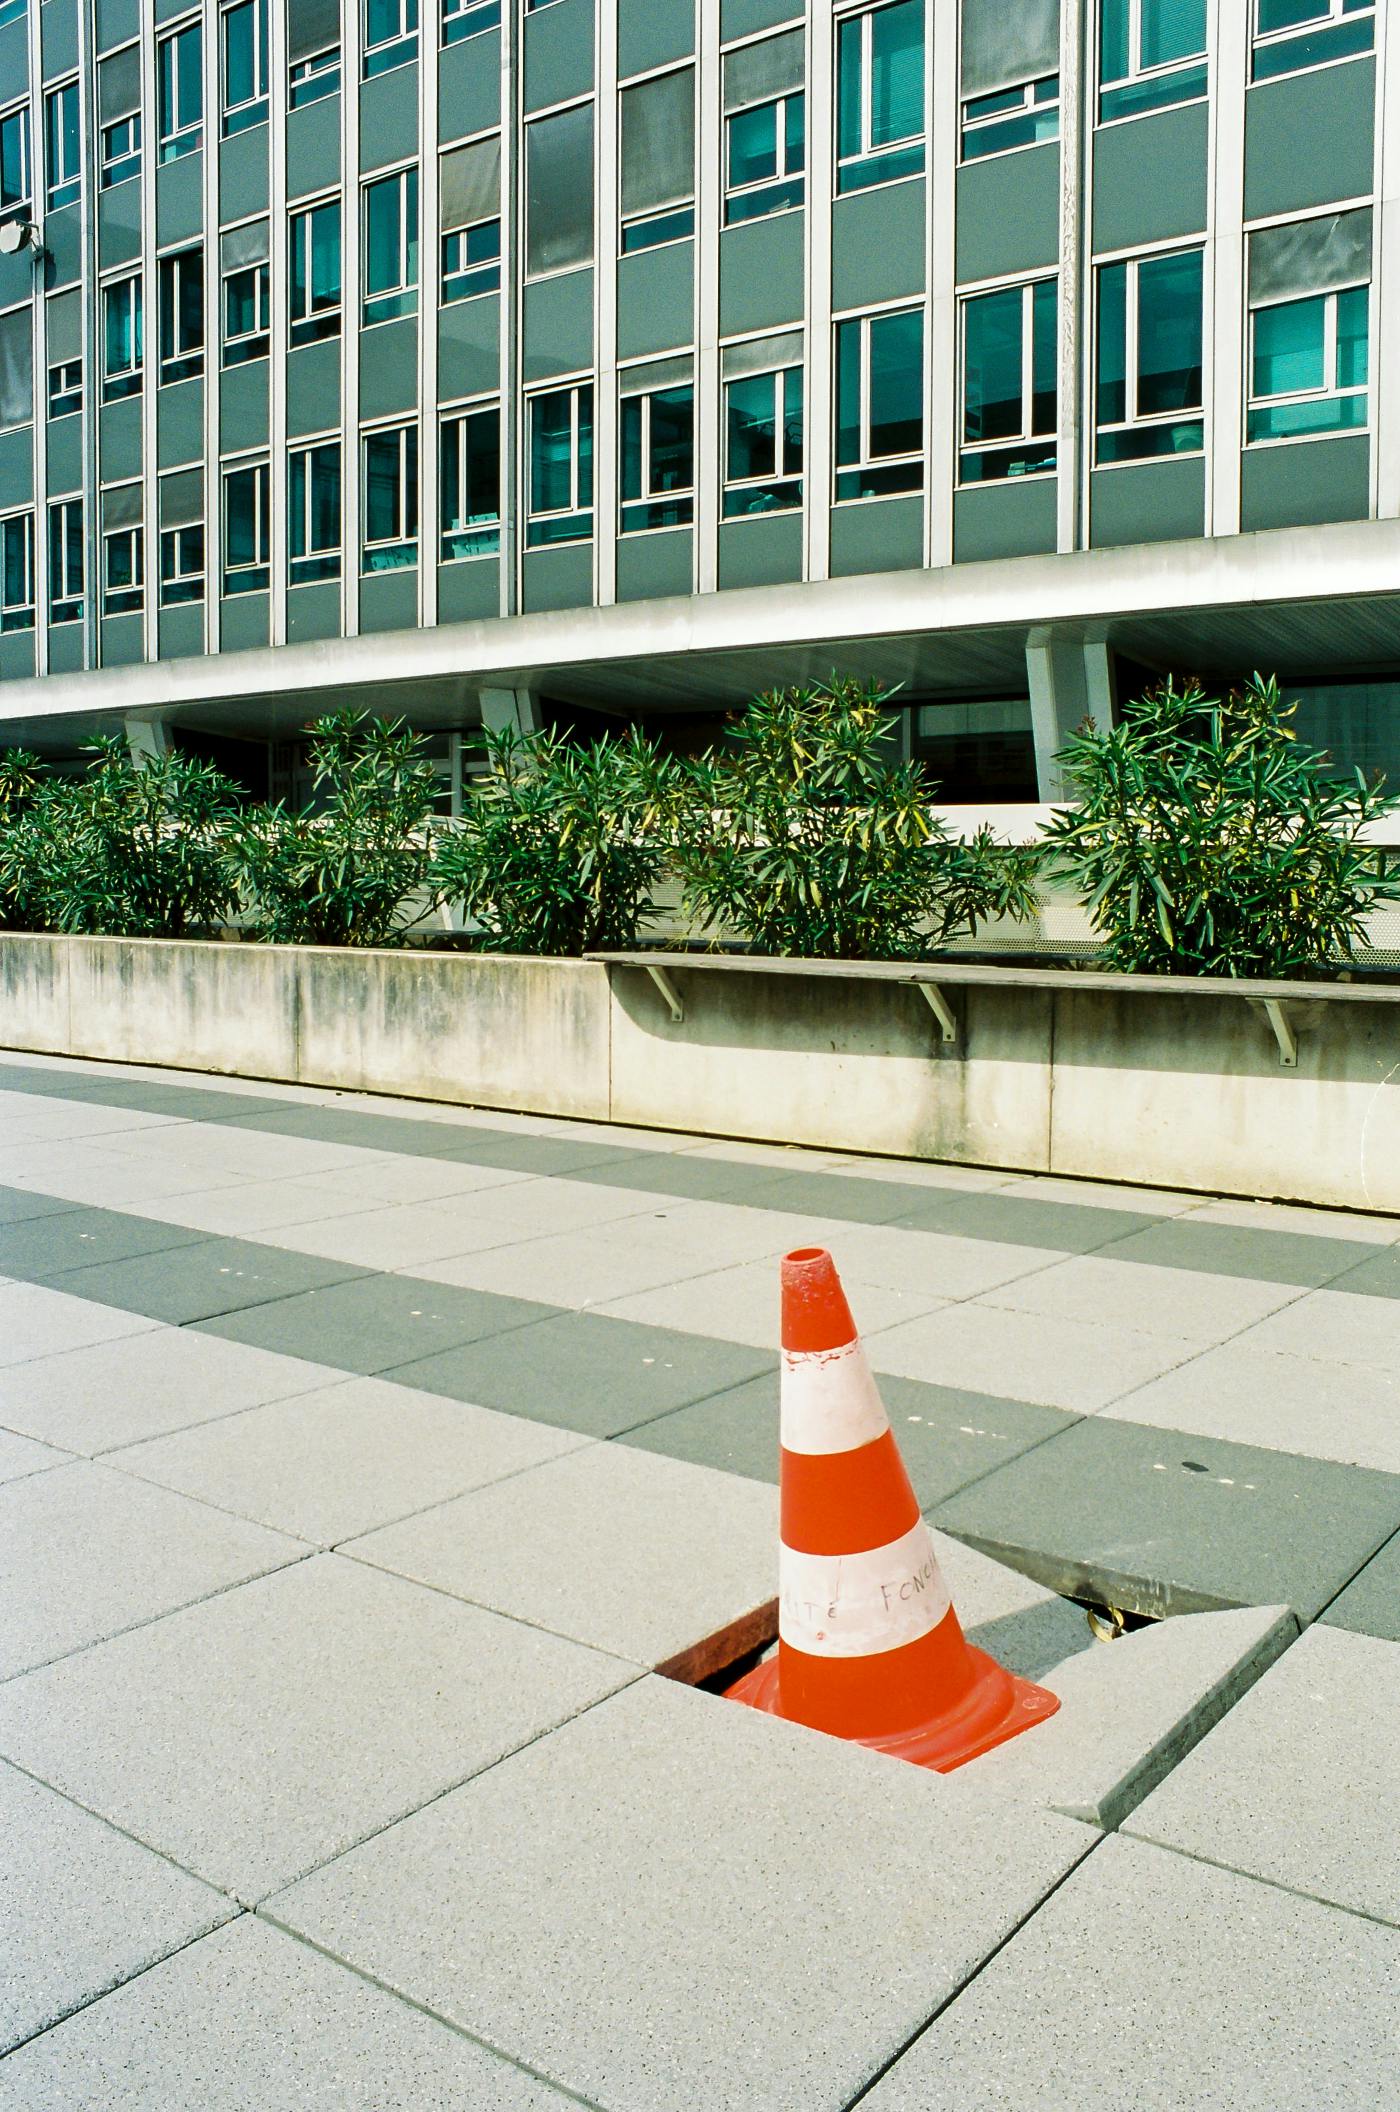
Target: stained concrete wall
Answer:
pixel 1185 1091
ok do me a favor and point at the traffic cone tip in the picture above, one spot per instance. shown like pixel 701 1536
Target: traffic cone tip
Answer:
pixel 815 1313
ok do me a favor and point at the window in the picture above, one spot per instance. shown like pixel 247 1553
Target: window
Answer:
pixel 1149 358
pixel 11 11
pixel 16 367
pixel 121 339
pixel 391 499
pixel 880 95
pixel 121 150
pixel 123 551
pixel 658 160
pixel 469 192
pixel 391 34
pixel 309 79
pixel 658 458
pixel 1009 395
pixel 1009 79
pixel 246 296
pixel 391 247
pixel 468 18
pixel 66 388
pixel 762 429
pixel 313 513
pixel 765 143
pixel 179 95
pixel 1292 34
pixel 244 28
pixel 559 192
pixel 561 465
pixel 1151 54
pixel 14 159
pixel 1012 117
pixel 247 497
pixel 1309 296
pixel 181 315
pixel 62 152
pixel 181 564
pixel 470 483
pixel 17 572
pixel 314 268
pixel 66 561
pixel 880 404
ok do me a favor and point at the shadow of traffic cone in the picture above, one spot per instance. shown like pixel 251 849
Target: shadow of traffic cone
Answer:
pixel 869 1647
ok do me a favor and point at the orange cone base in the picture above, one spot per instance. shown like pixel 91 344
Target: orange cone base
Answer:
pixel 996 1707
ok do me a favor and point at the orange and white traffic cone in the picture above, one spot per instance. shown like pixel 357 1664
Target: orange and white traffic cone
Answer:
pixel 869 1647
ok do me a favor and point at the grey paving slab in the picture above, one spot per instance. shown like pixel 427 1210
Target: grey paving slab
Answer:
pixel 1229 1995
pixel 741 1914
pixel 251 1209
pixel 1324 1409
pixel 116 1393
pixel 367 1131
pixel 1025 1220
pixel 197 1281
pixel 21 1205
pixel 1131 1708
pixel 1158 1522
pixel 1079 1365
pixel 385 1177
pixel 36 1322
pixel 522 1151
pixel 1027 1628
pixel 933 1264
pixel 400 1235
pixel 1256 1215
pixel 81 1907
pixel 584 1371
pixel 1377 1276
pixel 22 1455
pixel 345 1458
pixel 249 2020
pixel 576 1268
pixel 1188 1303
pixel 1371 1602
pixel 85 1552
pixel 75 1239
pixel 679 1174
pixel 742 1304
pixel 647 1555
pixel 258 1734
pixel 1335 1325
pixel 94 1173
pixel 856 1199
pixel 947 1437
pixel 1247 1251
pixel 1299 1784
pixel 374 1322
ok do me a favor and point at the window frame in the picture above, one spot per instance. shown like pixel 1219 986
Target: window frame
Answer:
pixel 182 581
pixel 1133 421
pixel 399 552
pixel 1331 391
pixel 655 507
pixel 23 200
pixel 869 465
pixel 66 600
pixel 241 117
pixel 477 535
pixel 326 320
pixel 580 509
pixel 399 49
pixel 69 389
pixel 317 561
pixel 1027 438
pixel 186 134
pixel 784 480
pixel 465 14
pixel 993 121
pixel 786 178
pixel 904 147
pixel 238 347
pixel 321 68
pixel 252 575
pixel 128 599
pixel 487 270
pixel 185 361
pixel 1137 72
pixel 392 303
pixel 124 381
pixel 674 221
pixel 18 615
pixel 1338 13
pixel 119 166
pixel 66 186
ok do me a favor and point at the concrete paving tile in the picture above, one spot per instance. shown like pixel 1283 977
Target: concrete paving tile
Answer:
pixel 536 1206
pixel 680 1174
pixel 1108 1195
pixel 21 1455
pixel 1247 1251
pixel 948 1438
pixel 400 1235
pixel 585 1372
pixel 116 1393
pixel 1080 1365
pixel 256 1735
pixel 85 1553
pixel 1375 1231
pixel 525 1151
pixel 251 1208
pixel 1023 1220
pixel 372 1323
pixel 677 1961
pixel 198 1281
pixel 853 1198
pixel 381 1177
pixel 1344 1412
pixel 1133 1707
pixel 931 1264
pixel 1027 1628
pixel 20 1205
pixel 249 2018
pixel 648 1555
pixel 363 1128
pixel 1186 1303
pixel 45 1247
pixel 34 1121
pixel 742 1304
pixel 1298 1785
pixel 576 1268
pixel 1149 1983
pixel 36 1321
pixel 1335 1326
pixel 344 1459
pixel 932 1174
pixel 213 1148
pixel 1371 1602
pixel 81 1908
pixel 91 1173
pixel 1159 1523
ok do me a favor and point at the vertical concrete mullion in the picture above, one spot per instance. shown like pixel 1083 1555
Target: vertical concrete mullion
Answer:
pixel 91 153
pixel 1224 279
pixel 606 243
pixel 429 260
pixel 210 24
pixel 350 473
pixel 1081 379
pixel 512 277
pixel 1076 127
pixel 709 414
pixel 941 91
pixel 1385 277
pixel 821 180
pixel 150 341
pixel 277 321
pixel 38 185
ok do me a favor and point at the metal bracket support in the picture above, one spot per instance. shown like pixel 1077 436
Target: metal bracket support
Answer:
pixel 668 990
pixel 941 1009
pixel 1284 1035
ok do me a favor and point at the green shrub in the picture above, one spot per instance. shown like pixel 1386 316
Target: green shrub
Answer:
pixel 560 846
pixel 345 870
pixel 132 849
pixel 807 837
pixel 1209 841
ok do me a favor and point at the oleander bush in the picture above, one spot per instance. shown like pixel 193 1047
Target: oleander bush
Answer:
pixel 1208 840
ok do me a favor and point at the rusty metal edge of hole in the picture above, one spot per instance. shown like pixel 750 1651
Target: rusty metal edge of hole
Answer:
pixel 725 1655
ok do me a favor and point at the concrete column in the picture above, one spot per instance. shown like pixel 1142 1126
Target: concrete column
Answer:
pixel 1070 682
pixel 145 738
pixel 515 708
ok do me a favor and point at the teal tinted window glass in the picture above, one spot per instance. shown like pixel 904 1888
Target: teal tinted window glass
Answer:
pixel 585 447
pixel 1352 337
pixel 850 85
pixel 631 462
pixel 471 470
pixel 14 159
pixel 848 373
pixel 897 73
pixel 1169 333
pixel 795 131
pixel 123 326
pixel 752 427
pixel 1171 30
pixel 391 485
pixel 1289 14
pixel 753 144
pixel 1044 327
pixel 1113 344
pixel 391 233
pixel 672 439
pixel 241 69
pixel 896 383
pixel 993 388
pixel 1290 347
pixel 551 452
pixel 1115 22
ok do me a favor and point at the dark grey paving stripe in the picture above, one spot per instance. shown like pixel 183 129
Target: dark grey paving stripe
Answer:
pixel 48 1243
pixel 1370 1605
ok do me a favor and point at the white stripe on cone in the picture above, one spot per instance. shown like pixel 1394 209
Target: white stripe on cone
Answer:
pixel 855 1605
pixel 830 1402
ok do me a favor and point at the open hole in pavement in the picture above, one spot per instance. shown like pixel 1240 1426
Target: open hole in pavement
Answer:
pixel 719 1659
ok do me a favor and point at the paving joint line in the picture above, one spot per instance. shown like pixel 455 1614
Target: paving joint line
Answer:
pixel 130 1979
pixel 1255 1877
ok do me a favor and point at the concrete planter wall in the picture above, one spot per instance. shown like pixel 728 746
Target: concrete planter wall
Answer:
pixel 1045 1075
